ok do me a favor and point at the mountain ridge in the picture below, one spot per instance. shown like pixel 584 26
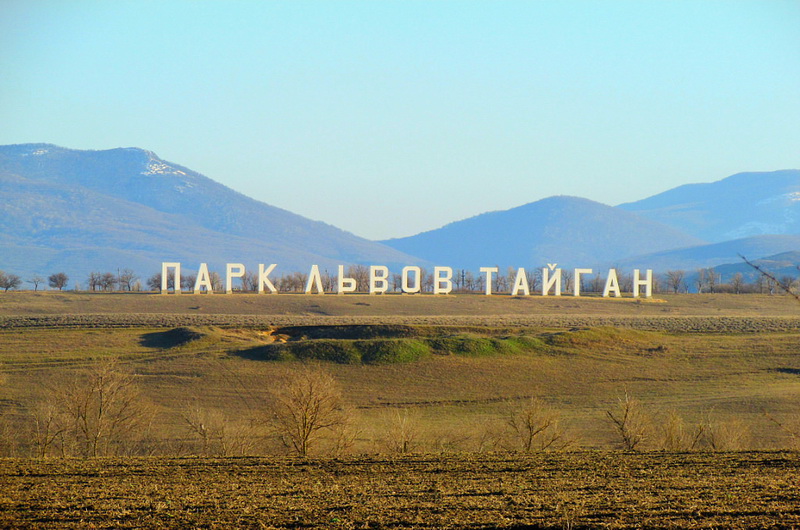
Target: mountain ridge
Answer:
pixel 90 210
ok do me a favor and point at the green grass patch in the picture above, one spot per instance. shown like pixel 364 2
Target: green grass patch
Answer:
pixel 396 350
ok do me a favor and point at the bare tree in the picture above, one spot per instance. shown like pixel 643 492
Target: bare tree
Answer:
pixel 402 432
pixel 9 281
pixel 700 280
pixel 103 406
pixel 217 433
pixel 107 281
pixel 307 405
pixel 127 278
pixel 93 281
pixel 36 281
pixel 536 426
pixel 49 424
pixel 676 280
pixel 630 422
pixel 58 281
pixel 737 282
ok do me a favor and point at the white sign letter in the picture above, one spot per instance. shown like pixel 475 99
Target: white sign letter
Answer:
pixel 548 282
pixel 577 273
pixel 378 283
pixel 314 280
pixel 203 279
pixel 521 282
pixel 647 283
pixel 263 278
pixel 232 270
pixel 442 280
pixel 488 271
pixel 165 277
pixel 345 285
pixel 612 284
pixel 417 282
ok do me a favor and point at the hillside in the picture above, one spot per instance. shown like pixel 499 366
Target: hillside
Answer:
pixel 742 205
pixel 715 254
pixel 81 211
pixel 567 230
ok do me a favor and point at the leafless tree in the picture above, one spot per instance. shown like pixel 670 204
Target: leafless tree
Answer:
pixel 103 406
pixel 402 432
pixel 360 273
pixel 630 422
pixel 107 281
pixel 127 278
pixel 737 282
pixel 676 280
pixel 48 424
pixel 536 426
pixel 305 406
pixel 9 281
pixel 58 280
pixel 36 281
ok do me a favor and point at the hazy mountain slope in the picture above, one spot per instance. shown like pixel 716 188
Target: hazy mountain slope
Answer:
pixel 742 205
pixel 779 265
pixel 567 230
pixel 81 211
pixel 715 254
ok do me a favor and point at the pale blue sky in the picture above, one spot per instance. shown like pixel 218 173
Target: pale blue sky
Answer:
pixel 390 118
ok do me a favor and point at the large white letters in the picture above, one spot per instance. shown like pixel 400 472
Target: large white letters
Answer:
pixel 203 280
pixel 165 276
pixel 263 278
pixel 521 282
pixel 378 283
pixel 412 280
pixel 577 280
pixel 314 281
pixel 548 281
pixel 647 283
pixel 345 285
pixel 612 284
pixel 232 270
pixel 488 271
pixel 442 280
pixel 417 287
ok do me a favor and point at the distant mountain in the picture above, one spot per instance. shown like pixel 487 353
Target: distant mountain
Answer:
pixel 743 205
pixel 715 254
pixel 82 211
pixel 779 265
pixel 567 230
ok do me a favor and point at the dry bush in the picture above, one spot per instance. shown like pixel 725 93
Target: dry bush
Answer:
pixel 731 435
pixel 631 423
pixel 217 433
pixel 677 436
pixel 402 432
pixel 105 410
pixel 790 427
pixel 305 407
pixel 535 426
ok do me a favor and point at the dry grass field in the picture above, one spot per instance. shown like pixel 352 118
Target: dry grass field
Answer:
pixel 446 374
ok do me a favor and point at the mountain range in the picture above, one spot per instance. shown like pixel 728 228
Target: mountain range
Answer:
pixel 82 211
pixel 73 211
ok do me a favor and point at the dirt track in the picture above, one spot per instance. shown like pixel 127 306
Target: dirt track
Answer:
pixel 683 324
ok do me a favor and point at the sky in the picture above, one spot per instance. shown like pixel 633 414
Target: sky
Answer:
pixel 389 118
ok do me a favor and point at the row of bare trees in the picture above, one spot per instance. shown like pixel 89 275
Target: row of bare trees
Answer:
pixel 103 412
